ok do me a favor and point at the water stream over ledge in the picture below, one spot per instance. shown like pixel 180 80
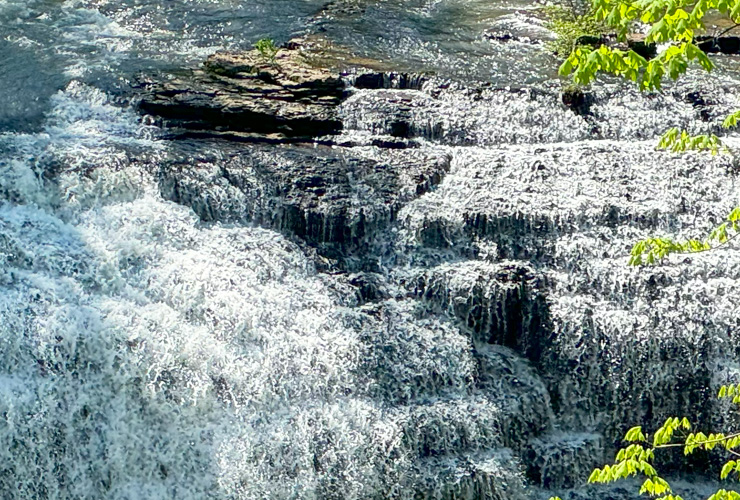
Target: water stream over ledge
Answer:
pixel 435 307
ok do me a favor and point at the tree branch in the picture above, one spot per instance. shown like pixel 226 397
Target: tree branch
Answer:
pixel 727 30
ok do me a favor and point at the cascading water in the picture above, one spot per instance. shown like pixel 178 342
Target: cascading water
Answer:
pixel 196 318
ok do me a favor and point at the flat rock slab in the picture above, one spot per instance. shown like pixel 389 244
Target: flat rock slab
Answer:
pixel 246 92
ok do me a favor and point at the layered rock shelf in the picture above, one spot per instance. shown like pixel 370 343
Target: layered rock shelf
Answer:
pixel 334 198
pixel 250 95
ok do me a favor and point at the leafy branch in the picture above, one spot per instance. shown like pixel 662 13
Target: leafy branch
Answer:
pixel 654 250
pixel 638 456
pixel 678 141
pixel 673 24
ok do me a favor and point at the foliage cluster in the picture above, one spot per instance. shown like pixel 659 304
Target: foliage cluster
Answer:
pixel 654 250
pixel 570 27
pixel 637 458
pixel 671 25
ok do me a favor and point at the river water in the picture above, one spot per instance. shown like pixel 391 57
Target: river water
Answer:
pixel 149 352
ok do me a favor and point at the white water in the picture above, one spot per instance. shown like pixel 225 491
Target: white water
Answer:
pixel 146 354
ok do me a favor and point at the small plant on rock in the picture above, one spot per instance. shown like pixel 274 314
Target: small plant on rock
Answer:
pixel 267 49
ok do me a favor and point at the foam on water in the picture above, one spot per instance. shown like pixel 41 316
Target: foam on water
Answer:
pixel 161 358
pixel 146 353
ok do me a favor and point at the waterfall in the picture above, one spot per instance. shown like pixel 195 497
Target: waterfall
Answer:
pixel 434 304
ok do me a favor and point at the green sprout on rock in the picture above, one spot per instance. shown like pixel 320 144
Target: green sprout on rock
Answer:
pixel 267 49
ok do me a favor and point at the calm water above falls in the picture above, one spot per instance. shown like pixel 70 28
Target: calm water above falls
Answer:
pixel 485 341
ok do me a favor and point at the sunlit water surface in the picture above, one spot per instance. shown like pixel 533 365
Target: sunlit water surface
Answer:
pixel 146 354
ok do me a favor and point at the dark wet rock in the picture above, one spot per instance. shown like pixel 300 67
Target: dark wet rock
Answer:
pixel 498 303
pixel 563 461
pixel 371 287
pixel 703 104
pixel 389 80
pixel 577 100
pixel 393 143
pixel 635 42
pixel 244 92
pixel 592 40
pixel 335 198
pixel 360 288
pixel 504 37
pixel 721 44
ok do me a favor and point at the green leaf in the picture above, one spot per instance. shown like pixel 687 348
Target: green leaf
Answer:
pixel 594 477
pixel 731 120
pixel 566 68
pixel 634 434
pixel 727 469
pixel 648 487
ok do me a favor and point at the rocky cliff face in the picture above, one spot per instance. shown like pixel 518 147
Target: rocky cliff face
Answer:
pixel 478 238
pixel 336 199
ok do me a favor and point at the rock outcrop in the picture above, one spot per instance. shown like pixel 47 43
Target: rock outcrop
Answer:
pixel 332 198
pixel 723 44
pixel 248 96
pixel 635 42
pixel 719 44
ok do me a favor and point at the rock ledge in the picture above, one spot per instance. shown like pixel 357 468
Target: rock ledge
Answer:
pixel 285 99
